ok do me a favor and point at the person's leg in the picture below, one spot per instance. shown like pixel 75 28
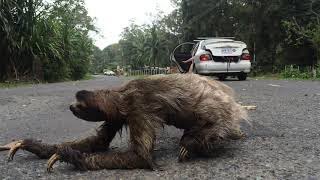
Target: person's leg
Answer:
pixel 191 67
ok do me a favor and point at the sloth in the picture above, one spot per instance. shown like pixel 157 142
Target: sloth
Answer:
pixel 203 108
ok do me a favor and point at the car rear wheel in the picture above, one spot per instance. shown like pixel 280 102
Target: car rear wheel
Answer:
pixel 222 77
pixel 242 77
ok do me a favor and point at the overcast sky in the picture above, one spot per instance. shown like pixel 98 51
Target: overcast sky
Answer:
pixel 114 15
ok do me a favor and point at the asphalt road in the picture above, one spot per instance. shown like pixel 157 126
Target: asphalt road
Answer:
pixel 283 142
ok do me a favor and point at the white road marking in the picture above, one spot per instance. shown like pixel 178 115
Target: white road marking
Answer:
pixel 274 85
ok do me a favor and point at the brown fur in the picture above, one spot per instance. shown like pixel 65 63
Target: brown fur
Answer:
pixel 205 109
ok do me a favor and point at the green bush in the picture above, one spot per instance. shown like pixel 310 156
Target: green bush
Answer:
pixel 79 69
pixel 296 73
pixel 318 72
pixel 55 70
pixel 46 40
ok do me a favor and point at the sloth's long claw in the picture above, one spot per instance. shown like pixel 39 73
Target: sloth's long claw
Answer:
pixel 53 159
pixel 183 154
pixel 13 150
pixel 250 107
pixel 4 148
pixel 181 150
pixel 209 146
pixel 13 147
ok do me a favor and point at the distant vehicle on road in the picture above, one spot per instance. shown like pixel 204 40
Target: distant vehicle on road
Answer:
pixel 221 57
pixel 109 73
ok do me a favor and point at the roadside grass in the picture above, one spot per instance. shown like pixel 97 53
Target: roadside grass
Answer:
pixel 279 76
pixel 87 77
pixel 14 83
pixel 275 76
pixel 292 72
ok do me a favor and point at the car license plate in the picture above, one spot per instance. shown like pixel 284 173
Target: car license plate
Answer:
pixel 227 51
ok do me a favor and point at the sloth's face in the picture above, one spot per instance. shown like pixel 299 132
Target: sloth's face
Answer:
pixel 86 108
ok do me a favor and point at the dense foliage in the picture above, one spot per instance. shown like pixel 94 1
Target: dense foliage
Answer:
pixel 270 28
pixel 46 41
pixel 140 45
pixel 277 32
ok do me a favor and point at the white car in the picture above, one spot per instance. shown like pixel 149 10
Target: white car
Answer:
pixel 220 57
pixel 109 73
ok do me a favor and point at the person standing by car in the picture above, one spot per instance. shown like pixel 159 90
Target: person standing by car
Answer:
pixel 191 66
pixel 193 53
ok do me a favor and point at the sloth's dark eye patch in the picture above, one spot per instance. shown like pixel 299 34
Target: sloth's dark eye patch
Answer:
pixel 84 95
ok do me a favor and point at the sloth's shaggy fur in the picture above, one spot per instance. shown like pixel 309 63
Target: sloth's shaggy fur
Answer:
pixel 205 109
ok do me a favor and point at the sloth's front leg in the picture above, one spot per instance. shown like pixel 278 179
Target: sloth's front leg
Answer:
pixel 36 147
pixel 45 151
pixel 142 138
pixel 104 160
pixel 99 142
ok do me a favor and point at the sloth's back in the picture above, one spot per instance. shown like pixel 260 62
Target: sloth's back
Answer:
pixel 180 97
pixel 183 90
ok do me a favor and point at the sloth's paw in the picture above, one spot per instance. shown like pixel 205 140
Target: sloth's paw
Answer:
pixel 68 155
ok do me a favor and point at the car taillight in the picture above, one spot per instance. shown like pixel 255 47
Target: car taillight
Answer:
pixel 205 57
pixel 246 57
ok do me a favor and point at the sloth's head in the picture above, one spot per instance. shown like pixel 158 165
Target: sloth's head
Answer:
pixel 86 107
pixel 95 105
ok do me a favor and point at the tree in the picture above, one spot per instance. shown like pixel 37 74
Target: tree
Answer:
pixel 44 40
pixel 16 34
pixel 299 31
pixel 259 23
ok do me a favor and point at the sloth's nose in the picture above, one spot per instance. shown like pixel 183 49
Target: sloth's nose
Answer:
pixel 71 107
